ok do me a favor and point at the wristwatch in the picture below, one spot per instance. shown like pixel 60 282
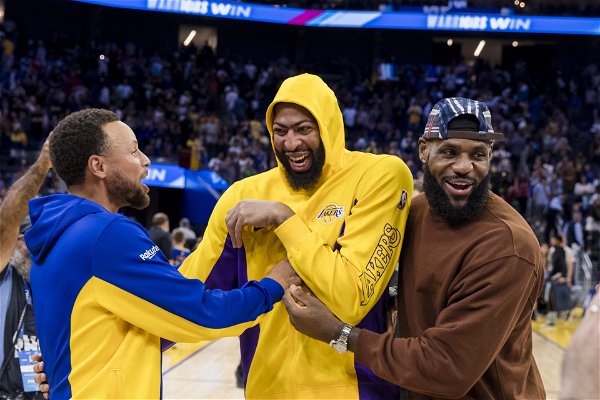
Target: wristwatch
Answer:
pixel 340 344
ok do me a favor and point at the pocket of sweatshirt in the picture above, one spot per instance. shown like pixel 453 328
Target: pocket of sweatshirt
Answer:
pixel 116 383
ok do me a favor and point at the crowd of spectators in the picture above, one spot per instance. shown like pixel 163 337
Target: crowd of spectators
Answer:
pixel 204 111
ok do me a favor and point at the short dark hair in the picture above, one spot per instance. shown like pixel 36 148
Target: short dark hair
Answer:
pixel 178 236
pixel 159 219
pixel 77 137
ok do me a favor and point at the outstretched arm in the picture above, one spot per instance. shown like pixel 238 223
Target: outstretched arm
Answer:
pixel 14 207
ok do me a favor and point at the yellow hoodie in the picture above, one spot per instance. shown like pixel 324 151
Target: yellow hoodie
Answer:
pixel 344 242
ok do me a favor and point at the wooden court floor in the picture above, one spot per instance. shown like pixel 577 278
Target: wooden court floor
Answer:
pixel 207 370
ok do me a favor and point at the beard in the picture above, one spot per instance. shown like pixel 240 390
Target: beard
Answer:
pixel 126 192
pixel 21 262
pixel 440 203
pixel 304 180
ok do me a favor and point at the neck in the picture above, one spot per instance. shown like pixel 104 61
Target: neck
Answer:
pixel 95 194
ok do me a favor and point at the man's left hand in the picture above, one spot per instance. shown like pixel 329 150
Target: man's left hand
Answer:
pixel 256 213
pixel 310 316
pixel 40 376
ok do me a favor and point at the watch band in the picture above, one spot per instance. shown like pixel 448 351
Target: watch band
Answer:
pixel 340 344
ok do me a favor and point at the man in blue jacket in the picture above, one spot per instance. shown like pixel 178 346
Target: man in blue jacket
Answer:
pixel 105 294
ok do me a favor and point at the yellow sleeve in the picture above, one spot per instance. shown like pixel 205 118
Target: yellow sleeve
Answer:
pixel 351 278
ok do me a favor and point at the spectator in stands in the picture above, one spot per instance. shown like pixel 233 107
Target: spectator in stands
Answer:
pixel 179 251
pixel 186 228
pixel 584 190
pixel 574 231
pixel 555 215
pixel 17 323
pixel 539 199
pixel 560 278
pixel 592 231
pixel 159 233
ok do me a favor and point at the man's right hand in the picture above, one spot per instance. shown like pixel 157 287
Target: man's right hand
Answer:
pixel 44 157
pixel 256 213
pixel 40 376
pixel 284 274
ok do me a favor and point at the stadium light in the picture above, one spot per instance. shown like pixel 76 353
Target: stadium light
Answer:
pixel 522 4
pixel 189 38
pixel 479 48
pixel 449 42
pixel 515 43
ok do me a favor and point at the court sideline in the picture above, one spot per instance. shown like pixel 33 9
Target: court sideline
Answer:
pixel 206 370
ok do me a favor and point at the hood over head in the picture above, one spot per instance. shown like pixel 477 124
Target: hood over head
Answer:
pixel 310 92
pixel 50 217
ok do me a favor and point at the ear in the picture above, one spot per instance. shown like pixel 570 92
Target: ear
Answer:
pixel 423 150
pixel 490 151
pixel 97 166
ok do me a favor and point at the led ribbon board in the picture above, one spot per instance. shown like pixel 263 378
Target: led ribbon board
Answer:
pixel 466 22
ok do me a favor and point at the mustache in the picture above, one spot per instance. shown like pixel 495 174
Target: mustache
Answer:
pixel 298 150
pixel 459 178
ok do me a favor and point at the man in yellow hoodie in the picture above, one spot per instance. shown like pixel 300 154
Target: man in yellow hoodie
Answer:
pixel 338 216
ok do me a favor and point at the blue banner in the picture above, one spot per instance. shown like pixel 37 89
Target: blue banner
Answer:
pixel 165 175
pixel 176 177
pixel 450 21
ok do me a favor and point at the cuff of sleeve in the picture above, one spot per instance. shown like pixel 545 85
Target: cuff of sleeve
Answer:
pixel 273 288
pixel 292 231
pixel 363 353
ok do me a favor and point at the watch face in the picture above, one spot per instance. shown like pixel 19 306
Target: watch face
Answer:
pixel 339 347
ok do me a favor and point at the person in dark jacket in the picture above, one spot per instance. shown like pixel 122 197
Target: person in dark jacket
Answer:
pixel 159 233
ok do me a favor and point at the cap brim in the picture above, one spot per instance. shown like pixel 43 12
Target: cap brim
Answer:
pixel 479 136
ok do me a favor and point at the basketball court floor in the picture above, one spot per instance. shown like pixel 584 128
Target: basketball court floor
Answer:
pixel 207 370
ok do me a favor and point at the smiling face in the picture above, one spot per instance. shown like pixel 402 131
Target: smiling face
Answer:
pixel 456 176
pixel 128 166
pixel 298 145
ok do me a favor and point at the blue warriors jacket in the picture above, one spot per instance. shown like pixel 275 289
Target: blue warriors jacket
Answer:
pixel 344 241
pixel 105 295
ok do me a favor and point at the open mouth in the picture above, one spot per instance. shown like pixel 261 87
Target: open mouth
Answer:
pixel 300 161
pixel 146 188
pixel 459 187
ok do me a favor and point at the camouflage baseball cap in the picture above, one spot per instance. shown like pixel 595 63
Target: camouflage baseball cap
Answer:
pixel 449 108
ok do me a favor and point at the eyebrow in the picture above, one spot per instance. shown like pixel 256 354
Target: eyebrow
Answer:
pixel 478 147
pixel 294 124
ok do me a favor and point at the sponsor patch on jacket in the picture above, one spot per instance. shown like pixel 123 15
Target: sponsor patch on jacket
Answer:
pixel 330 213
pixel 379 262
pixel 148 254
pixel 403 200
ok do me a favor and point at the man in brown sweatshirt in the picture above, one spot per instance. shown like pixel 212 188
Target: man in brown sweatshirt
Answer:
pixel 470 273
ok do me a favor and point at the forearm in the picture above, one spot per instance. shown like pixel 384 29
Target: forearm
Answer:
pixel 347 281
pixel 14 207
